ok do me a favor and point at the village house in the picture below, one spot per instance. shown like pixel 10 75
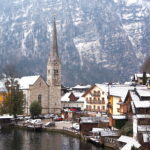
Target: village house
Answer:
pixel 116 105
pixel 138 78
pixel 88 123
pixel 96 98
pixel 140 115
pixel 72 101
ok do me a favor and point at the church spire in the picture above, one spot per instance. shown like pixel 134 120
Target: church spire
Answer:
pixel 54 52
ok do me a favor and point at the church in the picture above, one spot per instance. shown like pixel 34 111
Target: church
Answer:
pixel 47 93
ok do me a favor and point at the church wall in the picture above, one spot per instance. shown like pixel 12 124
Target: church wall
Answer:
pixel 40 88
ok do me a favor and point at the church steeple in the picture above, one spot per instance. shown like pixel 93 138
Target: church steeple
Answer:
pixel 54 75
pixel 54 52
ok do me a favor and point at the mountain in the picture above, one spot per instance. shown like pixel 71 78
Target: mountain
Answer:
pixel 99 40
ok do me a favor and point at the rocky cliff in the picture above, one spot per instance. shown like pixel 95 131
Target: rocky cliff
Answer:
pixel 99 40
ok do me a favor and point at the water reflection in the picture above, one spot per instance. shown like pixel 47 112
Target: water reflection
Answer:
pixel 14 139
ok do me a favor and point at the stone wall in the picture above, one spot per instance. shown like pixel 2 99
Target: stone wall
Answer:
pixel 40 88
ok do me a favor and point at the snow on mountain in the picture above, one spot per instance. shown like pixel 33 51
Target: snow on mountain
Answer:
pixel 103 40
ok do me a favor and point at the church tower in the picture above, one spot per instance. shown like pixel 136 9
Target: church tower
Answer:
pixel 54 75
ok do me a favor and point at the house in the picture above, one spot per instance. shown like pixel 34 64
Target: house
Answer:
pixel 96 98
pixel 88 123
pixel 73 101
pixel 35 89
pixel 140 103
pixel 116 106
pixel 138 78
pixel 106 136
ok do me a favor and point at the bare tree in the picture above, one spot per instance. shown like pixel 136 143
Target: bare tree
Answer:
pixel 14 100
pixel 146 65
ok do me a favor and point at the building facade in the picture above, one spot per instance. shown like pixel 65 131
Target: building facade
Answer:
pixel 96 98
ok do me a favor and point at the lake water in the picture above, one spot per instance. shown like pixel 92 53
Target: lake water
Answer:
pixel 17 139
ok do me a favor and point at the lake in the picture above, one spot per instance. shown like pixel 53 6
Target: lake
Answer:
pixel 18 139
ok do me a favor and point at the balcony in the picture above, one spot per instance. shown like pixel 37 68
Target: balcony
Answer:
pixel 95 94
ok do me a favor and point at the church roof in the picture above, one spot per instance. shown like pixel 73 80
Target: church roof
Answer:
pixel 26 81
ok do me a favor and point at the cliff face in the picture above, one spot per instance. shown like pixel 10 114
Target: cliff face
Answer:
pixel 99 41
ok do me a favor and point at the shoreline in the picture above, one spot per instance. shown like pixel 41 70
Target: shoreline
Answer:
pixel 68 133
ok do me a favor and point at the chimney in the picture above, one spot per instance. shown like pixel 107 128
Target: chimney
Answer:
pixel 144 78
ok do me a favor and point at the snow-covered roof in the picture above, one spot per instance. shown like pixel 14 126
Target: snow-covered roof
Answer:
pixel 65 98
pixel 94 119
pixel 119 91
pixel 143 128
pixel 129 142
pixel 81 87
pixel 6 116
pixel 105 131
pixel 81 99
pixel 78 95
pixel 122 90
pixel 141 116
pixel 146 137
pixel 109 133
pixel 97 130
pixel 137 102
pixel 142 104
pixel 104 87
pixel 2 86
pixel 119 116
pixel 26 81
pixel 140 75
pixel 144 92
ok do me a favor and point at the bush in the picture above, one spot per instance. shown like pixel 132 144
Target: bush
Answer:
pixel 35 109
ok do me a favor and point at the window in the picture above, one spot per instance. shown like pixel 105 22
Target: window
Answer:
pixel 55 72
pixel 87 100
pixel 94 107
pixel 48 72
pixel 103 107
pixel 118 109
pixel 98 107
pixel 103 100
pixel 39 99
pixel 87 107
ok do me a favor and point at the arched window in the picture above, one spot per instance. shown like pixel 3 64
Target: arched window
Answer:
pixel 94 107
pixel 103 100
pixel 39 99
pixel 98 107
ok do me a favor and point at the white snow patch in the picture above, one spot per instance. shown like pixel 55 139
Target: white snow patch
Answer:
pixel 90 48
pixel 132 2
